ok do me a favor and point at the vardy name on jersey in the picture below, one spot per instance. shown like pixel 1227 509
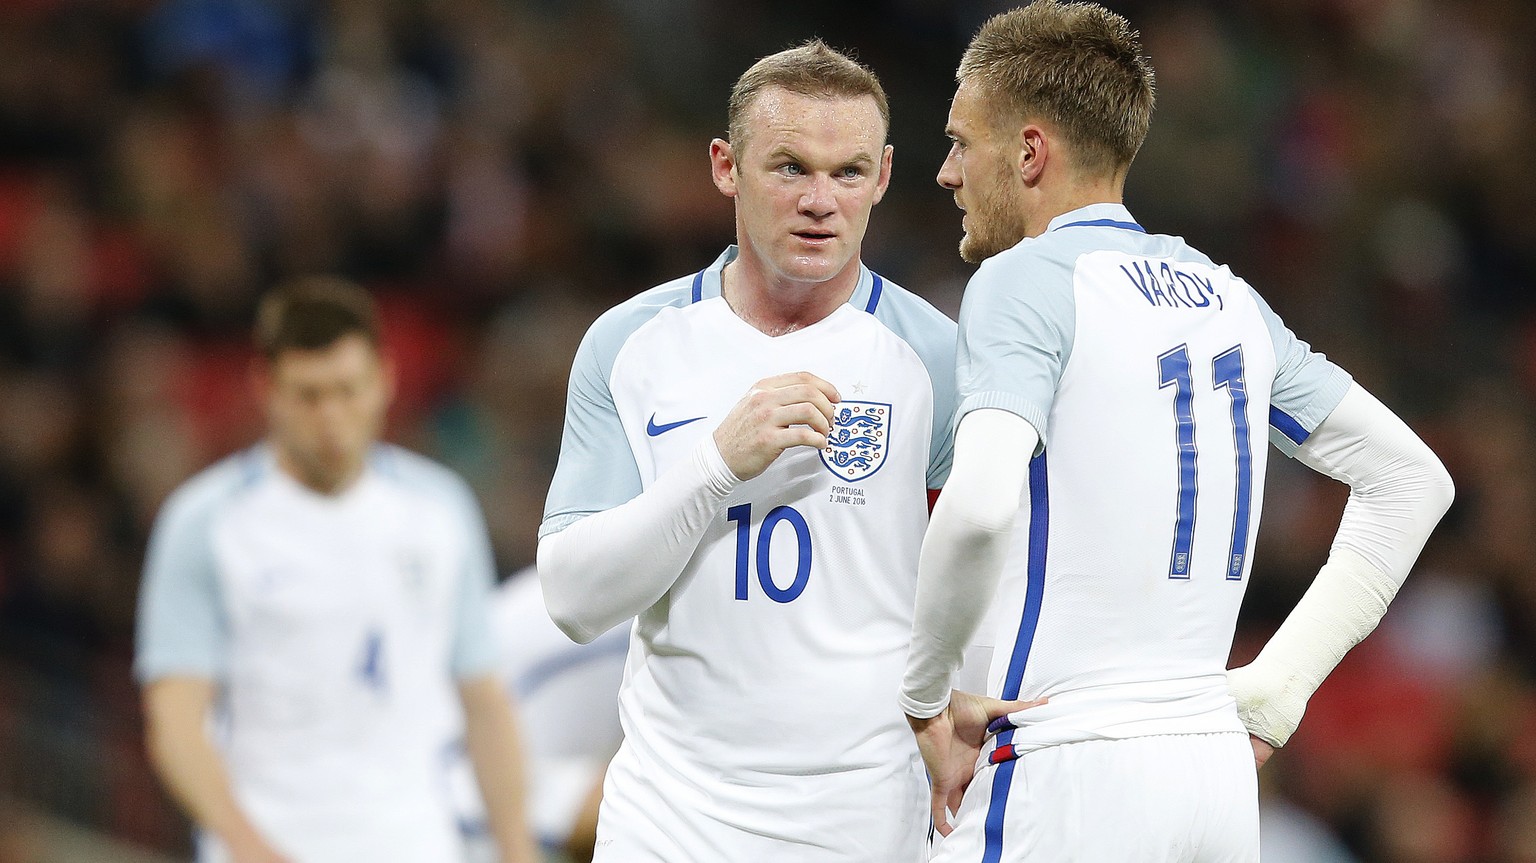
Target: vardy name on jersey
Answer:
pixel 1163 285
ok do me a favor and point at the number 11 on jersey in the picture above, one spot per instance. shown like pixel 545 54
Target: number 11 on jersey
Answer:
pixel 1175 369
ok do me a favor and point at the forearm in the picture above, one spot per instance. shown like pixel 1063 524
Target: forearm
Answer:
pixel 963 552
pixel 189 766
pixel 495 749
pixel 1398 492
pixel 613 565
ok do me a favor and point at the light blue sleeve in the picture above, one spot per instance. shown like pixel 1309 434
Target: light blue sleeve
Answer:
pixel 181 627
pixel 597 470
pixel 931 334
pixel 1307 386
pixel 474 648
pixel 1016 329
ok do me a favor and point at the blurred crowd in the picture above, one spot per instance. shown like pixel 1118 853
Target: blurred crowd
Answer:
pixel 498 171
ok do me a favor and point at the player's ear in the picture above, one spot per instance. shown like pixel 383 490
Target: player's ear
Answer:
pixel 884 179
pixel 1034 150
pixel 722 166
pixel 389 376
pixel 259 376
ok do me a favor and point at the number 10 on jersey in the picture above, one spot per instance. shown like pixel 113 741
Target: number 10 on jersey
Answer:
pixel 742 515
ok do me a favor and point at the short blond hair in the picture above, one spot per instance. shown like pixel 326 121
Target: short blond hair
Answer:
pixel 811 69
pixel 1077 66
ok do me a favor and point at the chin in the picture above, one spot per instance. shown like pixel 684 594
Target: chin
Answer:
pixel 812 270
pixel 972 251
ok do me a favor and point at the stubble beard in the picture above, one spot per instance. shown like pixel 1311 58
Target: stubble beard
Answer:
pixel 997 225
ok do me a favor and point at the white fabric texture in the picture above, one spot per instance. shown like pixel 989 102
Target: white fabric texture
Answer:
pixel 964 551
pixel 1088 802
pixel 1398 492
pixel 608 567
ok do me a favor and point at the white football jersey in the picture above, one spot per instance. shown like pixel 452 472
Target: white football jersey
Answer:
pixel 768 673
pixel 337 627
pixel 567 699
pixel 1154 377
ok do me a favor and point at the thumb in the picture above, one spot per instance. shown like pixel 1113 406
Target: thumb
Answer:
pixel 997 708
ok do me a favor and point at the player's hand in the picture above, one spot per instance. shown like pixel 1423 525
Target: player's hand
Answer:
pixel 255 850
pixel 780 412
pixel 950 744
pixel 1261 751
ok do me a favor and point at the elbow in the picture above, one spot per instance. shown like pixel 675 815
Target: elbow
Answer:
pixel 980 519
pixel 569 622
pixel 562 596
pixel 1441 489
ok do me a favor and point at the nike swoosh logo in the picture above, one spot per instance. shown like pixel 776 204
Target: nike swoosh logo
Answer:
pixel 652 429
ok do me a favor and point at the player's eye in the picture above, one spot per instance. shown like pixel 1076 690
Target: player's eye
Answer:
pixel 852 172
pixel 791 169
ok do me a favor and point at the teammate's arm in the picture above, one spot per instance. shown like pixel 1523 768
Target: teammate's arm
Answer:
pixel 612 565
pixel 1398 492
pixel 175 717
pixel 495 749
pixel 958 571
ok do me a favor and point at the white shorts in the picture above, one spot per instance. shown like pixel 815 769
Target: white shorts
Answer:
pixel 1184 798
pixel 856 816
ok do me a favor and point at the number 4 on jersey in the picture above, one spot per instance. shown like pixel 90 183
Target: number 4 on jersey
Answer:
pixel 1175 369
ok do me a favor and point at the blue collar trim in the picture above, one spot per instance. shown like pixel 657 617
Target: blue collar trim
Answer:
pixel 1105 223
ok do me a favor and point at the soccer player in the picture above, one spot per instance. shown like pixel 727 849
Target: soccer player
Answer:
pixel 1115 390
pixel 321 597
pixel 567 700
pixel 745 466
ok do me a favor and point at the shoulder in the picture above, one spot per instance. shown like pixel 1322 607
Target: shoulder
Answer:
pixel 209 491
pixel 615 327
pixel 421 476
pixel 1037 274
pixel 914 319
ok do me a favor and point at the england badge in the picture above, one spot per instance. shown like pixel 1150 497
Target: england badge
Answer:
pixel 857 444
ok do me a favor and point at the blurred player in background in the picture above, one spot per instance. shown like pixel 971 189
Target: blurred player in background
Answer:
pixel 1116 387
pixel 567 708
pixel 768 541
pixel 322 598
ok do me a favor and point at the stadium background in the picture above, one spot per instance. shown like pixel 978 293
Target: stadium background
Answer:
pixel 497 172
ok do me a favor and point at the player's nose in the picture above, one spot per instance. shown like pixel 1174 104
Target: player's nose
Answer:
pixel 949 171
pixel 818 200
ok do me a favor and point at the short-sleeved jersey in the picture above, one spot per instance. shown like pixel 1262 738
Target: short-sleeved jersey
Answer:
pixel 773 658
pixel 567 697
pixel 1153 377
pixel 336 627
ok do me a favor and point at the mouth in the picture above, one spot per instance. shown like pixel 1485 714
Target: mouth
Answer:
pixel 816 238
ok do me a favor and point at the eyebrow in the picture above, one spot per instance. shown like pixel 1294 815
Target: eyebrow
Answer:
pixel 783 152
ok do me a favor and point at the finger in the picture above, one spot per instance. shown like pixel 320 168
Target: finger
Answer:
pixel 800 379
pixel 939 812
pixel 817 398
pixel 796 435
pixel 956 797
pixel 997 708
pixel 801 413
pixel 798 393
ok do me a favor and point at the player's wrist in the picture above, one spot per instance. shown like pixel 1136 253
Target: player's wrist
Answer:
pixel 921 711
pixel 1270 700
pixel 718 476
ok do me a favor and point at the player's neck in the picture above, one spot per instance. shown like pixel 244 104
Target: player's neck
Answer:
pixel 327 484
pixel 1073 196
pixel 775 306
